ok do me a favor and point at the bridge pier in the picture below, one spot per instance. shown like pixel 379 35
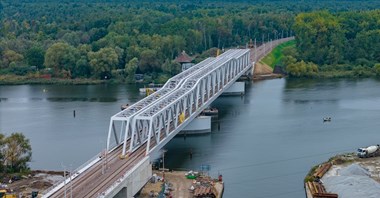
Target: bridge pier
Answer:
pixel 200 125
pixel 132 182
pixel 237 88
pixel 122 194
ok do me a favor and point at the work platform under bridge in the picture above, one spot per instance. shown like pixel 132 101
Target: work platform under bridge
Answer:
pixel 137 132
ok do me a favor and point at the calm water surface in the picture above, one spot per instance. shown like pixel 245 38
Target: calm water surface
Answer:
pixel 267 141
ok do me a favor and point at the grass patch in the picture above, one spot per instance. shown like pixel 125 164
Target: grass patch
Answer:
pixel 276 55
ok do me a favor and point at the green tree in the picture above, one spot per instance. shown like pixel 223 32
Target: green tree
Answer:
pixel 131 67
pixel 2 152
pixel 83 68
pixel 17 152
pixel 1 11
pixel 61 56
pixel 103 61
pixel 377 69
pixel 35 57
pixel 171 67
pixel 72 38
pixel 10 56
pixel 148 61
pixel 320 37
pixel 367 45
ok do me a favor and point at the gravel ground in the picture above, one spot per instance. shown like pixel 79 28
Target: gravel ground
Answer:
pixel 36 181
pixel 358 178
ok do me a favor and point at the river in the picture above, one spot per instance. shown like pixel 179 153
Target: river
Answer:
pixel 267 141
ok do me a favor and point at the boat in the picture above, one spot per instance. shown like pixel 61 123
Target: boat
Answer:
pixel 327 119
pixel 210 112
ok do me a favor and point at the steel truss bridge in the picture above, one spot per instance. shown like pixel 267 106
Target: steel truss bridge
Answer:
pixel 159 117
pixel 146 126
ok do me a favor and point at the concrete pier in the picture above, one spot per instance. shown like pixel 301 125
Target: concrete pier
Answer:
pixel 133 181
pixel 237 88
pixel 200 125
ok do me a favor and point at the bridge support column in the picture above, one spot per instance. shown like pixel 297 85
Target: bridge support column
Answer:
pixel 132 182
pixel 199 125
pixel 122 194
pixel 238 88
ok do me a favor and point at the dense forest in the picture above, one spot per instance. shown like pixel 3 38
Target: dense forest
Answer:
pixel 115 39
pixel 336 43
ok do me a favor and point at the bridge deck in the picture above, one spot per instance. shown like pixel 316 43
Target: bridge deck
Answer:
pixel 93 182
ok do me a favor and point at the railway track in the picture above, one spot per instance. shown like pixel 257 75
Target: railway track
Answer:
pixel 84 179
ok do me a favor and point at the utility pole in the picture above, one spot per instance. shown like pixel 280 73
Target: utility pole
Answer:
pixel 163 164
pixel 64 177
pixel 264 49
pixel 104 166
pixel 255 52
pixel 71 181
pixel 271 44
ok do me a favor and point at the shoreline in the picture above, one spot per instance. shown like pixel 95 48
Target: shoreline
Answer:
pixel 24 80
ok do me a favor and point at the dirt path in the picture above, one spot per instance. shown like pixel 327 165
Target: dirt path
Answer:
pixel 262 69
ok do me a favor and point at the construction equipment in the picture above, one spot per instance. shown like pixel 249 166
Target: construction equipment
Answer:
pixel 368 152
pixel 5 194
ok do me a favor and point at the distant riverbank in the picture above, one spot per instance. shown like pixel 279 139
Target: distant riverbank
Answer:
pixel 21 80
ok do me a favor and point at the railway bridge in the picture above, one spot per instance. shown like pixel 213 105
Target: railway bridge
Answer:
pixel 138 132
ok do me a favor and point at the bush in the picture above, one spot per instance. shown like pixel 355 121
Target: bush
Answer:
pixel 19 70
pixel 162 78
pixel 377 69
pixel 361 71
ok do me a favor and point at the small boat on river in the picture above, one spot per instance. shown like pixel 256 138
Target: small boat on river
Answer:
pixel 210 112
pixel 327 119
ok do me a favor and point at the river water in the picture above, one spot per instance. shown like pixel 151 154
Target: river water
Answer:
pixel 266 143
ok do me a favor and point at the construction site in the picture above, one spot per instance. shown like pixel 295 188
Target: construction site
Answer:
pixel 30 185
pixel 182 184
pixel 350 175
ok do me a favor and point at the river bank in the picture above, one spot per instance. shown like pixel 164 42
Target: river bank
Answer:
pixel 23 80
pixel 35 181
pixel 346 176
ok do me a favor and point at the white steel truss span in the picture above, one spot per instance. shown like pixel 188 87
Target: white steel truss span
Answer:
pixel 125 116
pixel 161 121
pixel 121 123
